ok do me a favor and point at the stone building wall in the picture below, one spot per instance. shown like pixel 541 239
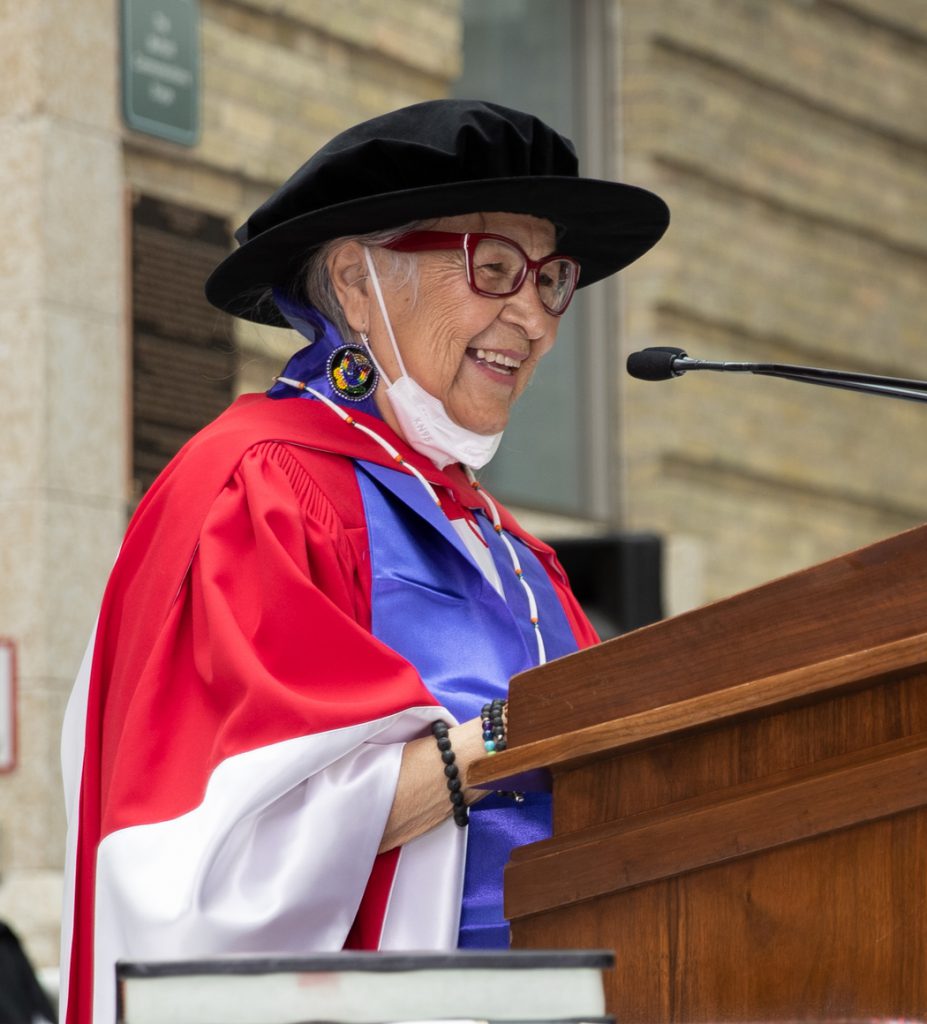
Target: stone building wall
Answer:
pixel 787 135
pixel 789 139
pixel 62 412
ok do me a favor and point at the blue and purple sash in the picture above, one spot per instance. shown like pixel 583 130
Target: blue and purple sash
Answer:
pixel 432 604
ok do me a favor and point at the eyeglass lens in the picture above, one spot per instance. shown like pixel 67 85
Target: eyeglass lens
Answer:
pixel 499 269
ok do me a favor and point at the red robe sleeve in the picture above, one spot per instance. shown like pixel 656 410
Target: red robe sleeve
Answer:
pixel 242 754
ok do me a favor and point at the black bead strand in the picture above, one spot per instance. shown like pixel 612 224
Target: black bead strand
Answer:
pixel 452 774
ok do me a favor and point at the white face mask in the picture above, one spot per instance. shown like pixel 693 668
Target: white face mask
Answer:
pixel 422 418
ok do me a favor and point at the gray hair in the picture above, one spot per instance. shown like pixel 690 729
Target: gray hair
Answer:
pixel 399 268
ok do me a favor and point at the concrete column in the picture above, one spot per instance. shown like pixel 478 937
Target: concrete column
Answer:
pixel 63 402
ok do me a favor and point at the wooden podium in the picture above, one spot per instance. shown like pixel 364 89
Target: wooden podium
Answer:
pixel 740 800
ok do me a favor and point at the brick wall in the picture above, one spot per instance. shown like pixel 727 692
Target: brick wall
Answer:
pixel 279 80
pixel 789 139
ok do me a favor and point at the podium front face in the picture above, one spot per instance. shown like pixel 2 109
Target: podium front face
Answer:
pixel 754 849
pixel 717 912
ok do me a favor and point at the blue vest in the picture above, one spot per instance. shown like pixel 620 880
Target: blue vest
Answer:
pixel 432 604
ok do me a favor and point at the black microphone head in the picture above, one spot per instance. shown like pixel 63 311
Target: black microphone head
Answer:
pixel 654 363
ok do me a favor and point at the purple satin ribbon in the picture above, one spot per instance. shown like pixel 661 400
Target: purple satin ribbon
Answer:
pixel 309 364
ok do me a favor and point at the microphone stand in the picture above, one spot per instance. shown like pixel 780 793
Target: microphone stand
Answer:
pixel 893 387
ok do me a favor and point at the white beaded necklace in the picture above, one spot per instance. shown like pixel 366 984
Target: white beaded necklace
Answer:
pixel 516 564
pixel 490 504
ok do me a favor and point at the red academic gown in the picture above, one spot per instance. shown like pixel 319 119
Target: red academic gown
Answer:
pixel 232 745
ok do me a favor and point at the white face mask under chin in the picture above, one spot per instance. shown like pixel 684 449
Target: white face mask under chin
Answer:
pixel 423 420
pixel 426 426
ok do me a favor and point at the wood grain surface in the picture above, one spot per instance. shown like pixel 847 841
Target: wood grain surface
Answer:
pixel 831 928
pixel 740 800
pixel 793 688
pixel 858 601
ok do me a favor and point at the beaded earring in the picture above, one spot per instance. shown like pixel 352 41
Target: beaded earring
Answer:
pixel 351 373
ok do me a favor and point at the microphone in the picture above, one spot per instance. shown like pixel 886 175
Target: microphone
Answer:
pixel 665 362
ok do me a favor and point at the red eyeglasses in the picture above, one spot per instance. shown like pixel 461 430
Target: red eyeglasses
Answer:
pixel 497 266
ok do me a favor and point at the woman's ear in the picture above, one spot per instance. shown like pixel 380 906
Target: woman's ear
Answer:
pixel 347 269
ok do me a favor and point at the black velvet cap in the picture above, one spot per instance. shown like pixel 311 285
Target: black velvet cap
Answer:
pixel 440 158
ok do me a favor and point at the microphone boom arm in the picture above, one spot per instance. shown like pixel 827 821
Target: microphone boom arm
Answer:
pixel 892 387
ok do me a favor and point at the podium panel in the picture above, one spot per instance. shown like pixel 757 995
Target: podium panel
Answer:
pixel 829 928
pixel 740 800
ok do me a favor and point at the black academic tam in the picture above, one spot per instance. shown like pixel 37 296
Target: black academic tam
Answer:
pixel 440 158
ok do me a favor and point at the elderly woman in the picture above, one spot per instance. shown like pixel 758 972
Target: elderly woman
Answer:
pixel 307 637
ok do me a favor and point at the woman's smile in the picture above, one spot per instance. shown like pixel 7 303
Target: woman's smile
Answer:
pixel 475 353
pixel 500 364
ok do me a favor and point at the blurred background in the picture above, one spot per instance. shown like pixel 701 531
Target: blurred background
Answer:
pixel 135 135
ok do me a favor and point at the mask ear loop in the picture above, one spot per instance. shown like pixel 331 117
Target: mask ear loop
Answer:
pixel 375 280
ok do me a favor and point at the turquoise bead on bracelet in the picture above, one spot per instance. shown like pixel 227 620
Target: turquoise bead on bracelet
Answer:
pixel 492 718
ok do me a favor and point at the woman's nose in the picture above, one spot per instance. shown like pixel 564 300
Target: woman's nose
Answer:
pixel 525 309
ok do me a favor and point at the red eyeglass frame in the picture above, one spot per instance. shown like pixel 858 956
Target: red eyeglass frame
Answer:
pixel 432 241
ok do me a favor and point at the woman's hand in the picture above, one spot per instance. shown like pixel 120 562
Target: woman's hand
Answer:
pixel 422 799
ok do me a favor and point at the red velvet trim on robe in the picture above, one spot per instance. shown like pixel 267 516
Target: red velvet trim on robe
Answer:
pixel 230 554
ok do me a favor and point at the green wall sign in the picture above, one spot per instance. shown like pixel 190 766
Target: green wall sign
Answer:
pixel 161 68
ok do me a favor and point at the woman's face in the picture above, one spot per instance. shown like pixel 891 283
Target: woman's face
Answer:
pixel 476 354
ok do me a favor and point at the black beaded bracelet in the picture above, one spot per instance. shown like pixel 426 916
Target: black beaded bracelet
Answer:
pixel 492 718
pixel 452 773
pixel 493 722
